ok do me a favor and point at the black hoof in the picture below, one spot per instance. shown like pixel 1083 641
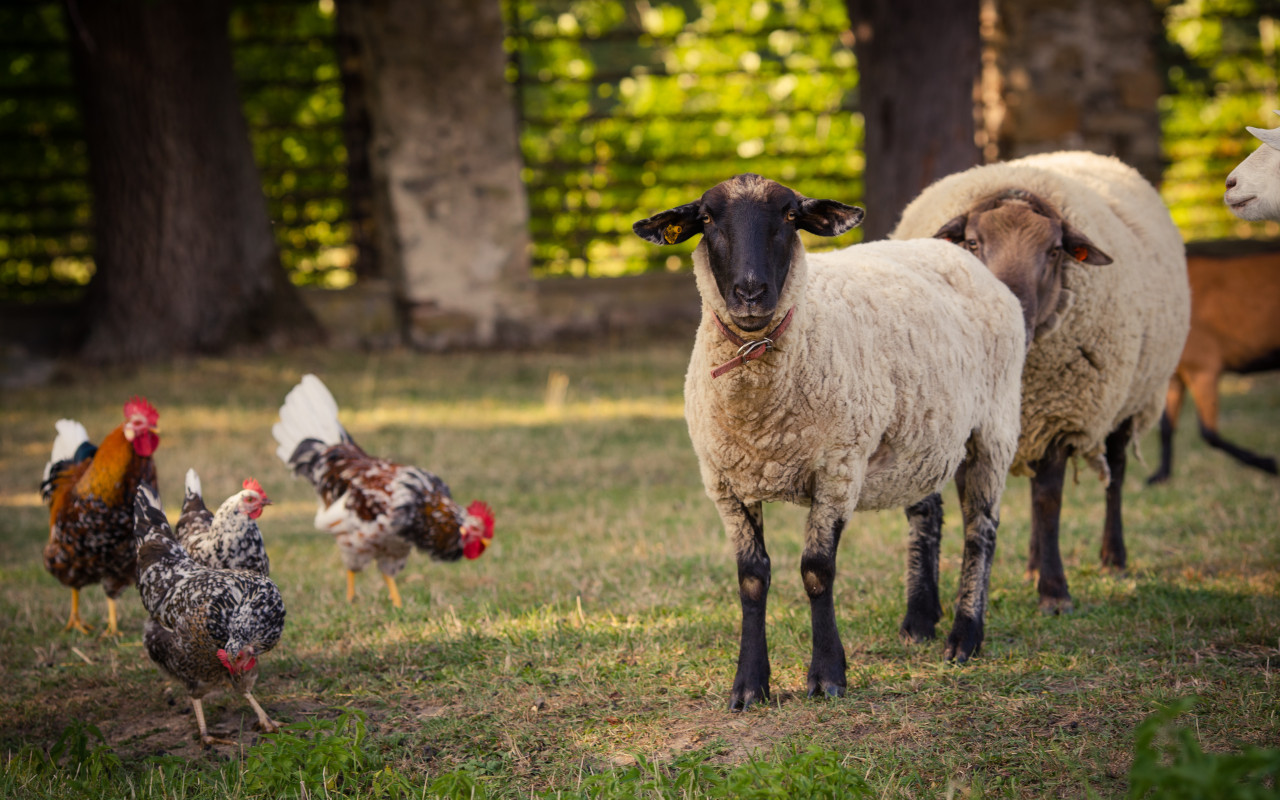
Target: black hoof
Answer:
pixel 742 698
pixel 822 691
pixel 1267 465
pixel 917 628
pixel 965 640
pixel 1158 477
pixel 1053 606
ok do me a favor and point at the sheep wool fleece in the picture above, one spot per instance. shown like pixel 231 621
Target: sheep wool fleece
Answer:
pixel 1121 327
pixel 898 353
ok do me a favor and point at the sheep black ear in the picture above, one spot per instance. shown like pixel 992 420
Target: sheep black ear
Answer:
pixel 953 231
pixel 827 217
pixel 670 227
pixel 1081 248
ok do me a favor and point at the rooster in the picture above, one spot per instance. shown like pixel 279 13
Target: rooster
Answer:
pixel 229 539
pixel 207 626
pixel 378 509
pixel 89 491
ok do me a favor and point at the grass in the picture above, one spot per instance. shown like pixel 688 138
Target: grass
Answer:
pixel 590 652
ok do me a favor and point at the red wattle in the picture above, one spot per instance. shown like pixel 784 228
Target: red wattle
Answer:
pixel 473 548
pixel 145 443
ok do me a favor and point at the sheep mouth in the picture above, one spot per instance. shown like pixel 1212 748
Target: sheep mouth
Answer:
pixel 751 322
pixel 1236 205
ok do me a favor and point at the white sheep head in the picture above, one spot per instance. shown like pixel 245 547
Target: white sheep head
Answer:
pixel 1253 187
pixel 748 226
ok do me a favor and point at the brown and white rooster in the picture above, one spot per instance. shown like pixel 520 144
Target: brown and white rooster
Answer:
pixel 228 539
pixel 89 491
pixel 208 627
pixel 377 509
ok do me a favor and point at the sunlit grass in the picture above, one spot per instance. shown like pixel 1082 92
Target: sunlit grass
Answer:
pixel 599 632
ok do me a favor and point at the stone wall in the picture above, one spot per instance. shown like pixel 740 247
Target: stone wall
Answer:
pixel 1072 74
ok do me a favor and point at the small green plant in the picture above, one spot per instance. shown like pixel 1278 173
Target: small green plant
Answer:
pixel 1189 773
pixel 315 754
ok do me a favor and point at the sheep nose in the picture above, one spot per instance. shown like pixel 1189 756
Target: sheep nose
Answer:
pixel 1231 181
pixel 750 293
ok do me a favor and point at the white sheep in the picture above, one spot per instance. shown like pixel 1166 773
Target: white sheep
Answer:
pixel 1253 187
pixel 855 379
pixel 1089 249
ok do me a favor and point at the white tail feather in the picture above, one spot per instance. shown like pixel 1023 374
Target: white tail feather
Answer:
pixel 71 435
pixel 150 497
pixel 193 484
pixel 309 412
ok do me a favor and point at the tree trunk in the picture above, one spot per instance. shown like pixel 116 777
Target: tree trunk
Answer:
pixel 445 159
pixel 918 61
pixel 185 257
pixel 357 132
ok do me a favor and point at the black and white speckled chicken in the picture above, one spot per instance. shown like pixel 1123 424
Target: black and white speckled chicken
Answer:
pixel 229 538
pixel 378 509
pixel 208 627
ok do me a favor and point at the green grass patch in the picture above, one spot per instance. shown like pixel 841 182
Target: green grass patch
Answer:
pixel 590 652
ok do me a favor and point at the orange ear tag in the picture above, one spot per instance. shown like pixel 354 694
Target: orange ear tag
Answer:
pixel 1080 253
pixel 672 233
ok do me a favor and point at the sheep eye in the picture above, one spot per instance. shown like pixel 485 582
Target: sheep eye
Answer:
pixel 791 215
pixel 705 218
pixel 972 244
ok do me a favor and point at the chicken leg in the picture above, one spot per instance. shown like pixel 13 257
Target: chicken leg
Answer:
pixel 74 622
pixel 351 586
pixel 205 738
pixel 395 592
pixel 113 628
pixel 265 723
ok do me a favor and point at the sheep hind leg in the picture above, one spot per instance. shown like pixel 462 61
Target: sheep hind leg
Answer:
pixel 1113 553
pixel 745 524
pixel 827 666
pixel 1168 426
pixel 1046 510
pixel 1204 390
pixel 924 542
pixel 980 507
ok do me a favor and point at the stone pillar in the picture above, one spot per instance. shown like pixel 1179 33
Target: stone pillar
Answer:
pixel 1072 75
pixel 445 160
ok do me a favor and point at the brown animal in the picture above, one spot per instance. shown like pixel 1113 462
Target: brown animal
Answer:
pixel 1235 327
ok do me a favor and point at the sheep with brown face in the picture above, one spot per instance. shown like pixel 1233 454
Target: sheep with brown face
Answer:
pixel 1091 252
pixel 862 378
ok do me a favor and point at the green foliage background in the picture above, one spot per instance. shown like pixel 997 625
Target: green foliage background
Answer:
pixel 627 107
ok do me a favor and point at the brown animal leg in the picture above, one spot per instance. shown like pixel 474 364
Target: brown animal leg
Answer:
pixel 1204 390
pixel 1046 509
pixel 1113 552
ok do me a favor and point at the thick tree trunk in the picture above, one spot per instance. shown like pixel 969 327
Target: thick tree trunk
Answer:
pixel 918 61
pixel 357 132
pixel 445 159
pixel 185 257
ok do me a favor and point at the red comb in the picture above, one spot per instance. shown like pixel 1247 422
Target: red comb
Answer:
pixel 139 405
pixel 252 485
pixel 480 510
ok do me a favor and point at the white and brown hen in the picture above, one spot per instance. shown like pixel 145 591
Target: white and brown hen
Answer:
pixel 378 509
pixel 229 538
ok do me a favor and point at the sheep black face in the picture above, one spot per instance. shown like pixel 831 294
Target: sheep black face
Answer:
pixel 1024 242
pixel 748 225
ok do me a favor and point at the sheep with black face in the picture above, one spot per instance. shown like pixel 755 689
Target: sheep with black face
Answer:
pixel 862 378
pixel 1089 248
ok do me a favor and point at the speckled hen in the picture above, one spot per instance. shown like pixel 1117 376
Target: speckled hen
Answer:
pixel 378 510
pixel 208 627
pixel 229 539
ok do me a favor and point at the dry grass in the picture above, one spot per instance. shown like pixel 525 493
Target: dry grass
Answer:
pixel 601 627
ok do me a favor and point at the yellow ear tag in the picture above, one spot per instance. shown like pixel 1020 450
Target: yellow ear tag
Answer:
pixel 1080 253
pixel 671 233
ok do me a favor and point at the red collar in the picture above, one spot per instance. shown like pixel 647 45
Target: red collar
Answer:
pixel 749 349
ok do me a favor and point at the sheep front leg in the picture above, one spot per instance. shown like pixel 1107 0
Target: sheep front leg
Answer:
pixel 818 570
pixel 1113 553
pixel 1046 511
pixel 980 506
pixel 745 525
pixel 923 545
